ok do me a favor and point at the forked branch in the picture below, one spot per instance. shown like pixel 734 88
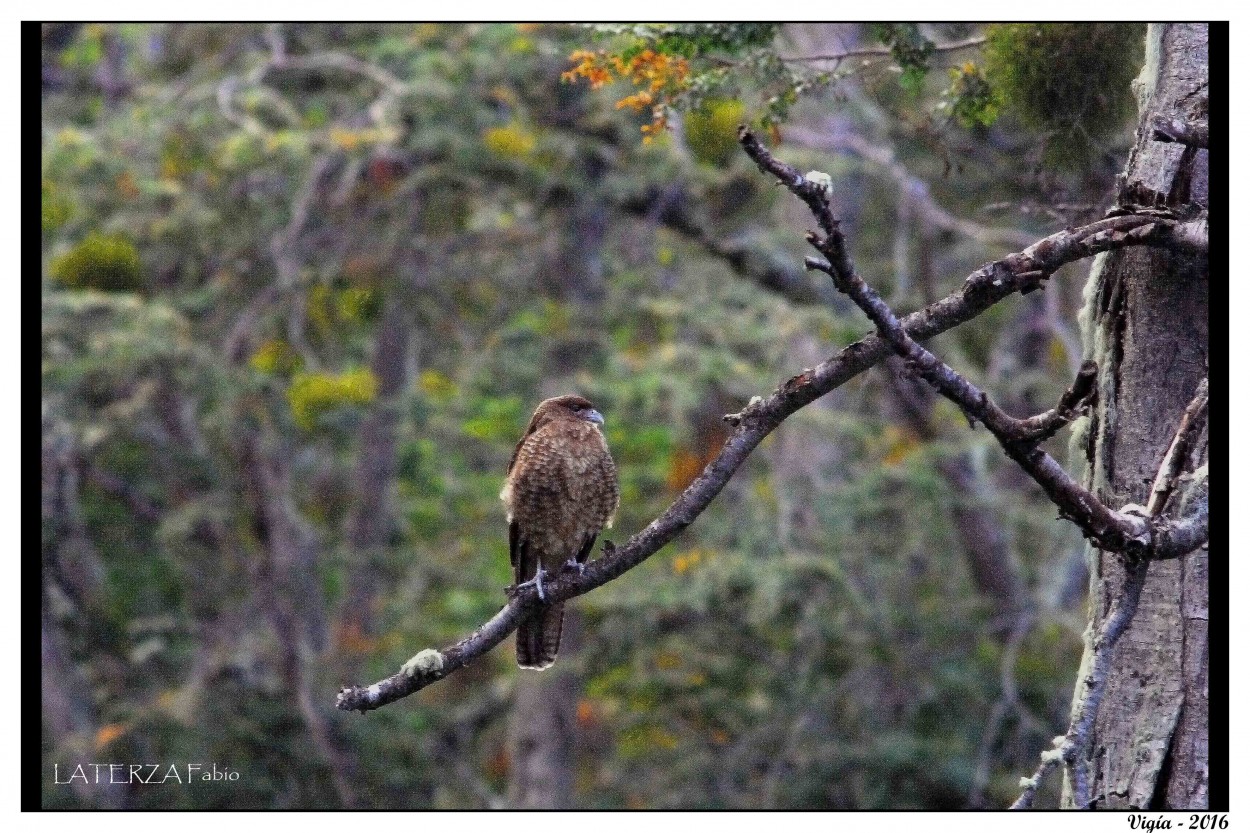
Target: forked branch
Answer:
pixel 1116 531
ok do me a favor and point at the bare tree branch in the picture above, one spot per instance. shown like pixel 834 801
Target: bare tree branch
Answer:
pixel 1192 237
pixel 992 563
pixel 883 51
pixel 1009 700
pixel 138 503
pixel 279 59
pixel 1188 532
pixel 1111 530
pixel 1187 432
pixel 1074 399
pixel 1020 272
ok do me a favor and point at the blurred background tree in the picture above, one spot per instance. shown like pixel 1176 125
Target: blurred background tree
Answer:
pixel 303 285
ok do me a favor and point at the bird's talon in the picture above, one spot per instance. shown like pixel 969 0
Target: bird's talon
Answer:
pixel 536 582
pixel 573 565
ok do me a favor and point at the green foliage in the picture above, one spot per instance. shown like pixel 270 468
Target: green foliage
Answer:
pixel 55 208
pixel 276 356
pixel 499 420
pixel 1068 79
pixel 512 141
pixel 690 40
pixel 711 132
pixel 104 349
pixel 911 50
pixel 335 309
pixel 311 395
pixel 970 97
pixel 107 262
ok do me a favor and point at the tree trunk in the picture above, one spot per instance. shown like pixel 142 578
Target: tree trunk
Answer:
pixel 369 525
pixel 542 730
pixel 1145 324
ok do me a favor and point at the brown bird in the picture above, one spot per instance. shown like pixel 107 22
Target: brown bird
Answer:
pixel 560 493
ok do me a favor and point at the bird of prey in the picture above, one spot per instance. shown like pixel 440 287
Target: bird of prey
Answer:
pixel 560 493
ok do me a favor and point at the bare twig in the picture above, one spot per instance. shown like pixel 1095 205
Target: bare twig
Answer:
pixel 883 51
pixel 1018 438
pixel 392 87
pixel 670 209
pixel 283 251
pixel 1074 400
pixel 985 752
pixel 1007 671
pixel 1187 432
pixel 225 102
pixel 1051 758
pixel 1008 701
pixel 342 63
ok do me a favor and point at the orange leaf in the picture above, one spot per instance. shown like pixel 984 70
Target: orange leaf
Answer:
pixel 585 713
pixel 109 733
pixel 683 467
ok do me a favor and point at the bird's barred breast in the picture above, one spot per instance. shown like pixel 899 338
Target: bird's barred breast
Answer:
pixel 563 488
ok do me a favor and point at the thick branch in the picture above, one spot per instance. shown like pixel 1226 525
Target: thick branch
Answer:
pixel 1115 531
pixel 1067 747
pixel 1051 758
pixel 1192 237
pixel 1184 535
pixel 1018 437
pixel 1020 272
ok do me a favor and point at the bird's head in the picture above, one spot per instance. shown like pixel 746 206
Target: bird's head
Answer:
pixel 566 407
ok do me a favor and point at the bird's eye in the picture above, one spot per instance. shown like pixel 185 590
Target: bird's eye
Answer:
pixel 575 408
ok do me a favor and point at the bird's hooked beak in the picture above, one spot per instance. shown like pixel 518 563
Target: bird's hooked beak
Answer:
pixel 593 416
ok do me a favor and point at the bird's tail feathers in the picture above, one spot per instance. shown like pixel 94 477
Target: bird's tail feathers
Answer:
pixel 538 637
